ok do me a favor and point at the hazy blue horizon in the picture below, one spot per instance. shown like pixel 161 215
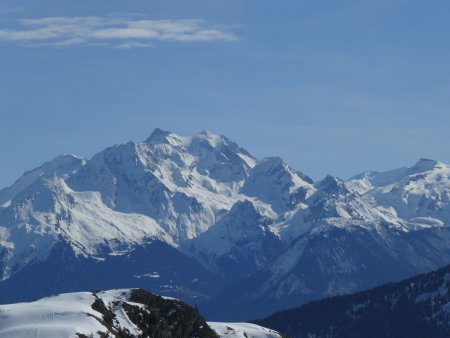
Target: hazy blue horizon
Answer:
pixel 332 88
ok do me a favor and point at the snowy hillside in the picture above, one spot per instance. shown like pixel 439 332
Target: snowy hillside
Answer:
pixel 420 195
pixel 115 313
pixel 242 330
pixel 277 184
pixel 202 220
pixel 241 242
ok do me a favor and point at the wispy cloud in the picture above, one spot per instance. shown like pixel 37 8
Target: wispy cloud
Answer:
pixel 117 32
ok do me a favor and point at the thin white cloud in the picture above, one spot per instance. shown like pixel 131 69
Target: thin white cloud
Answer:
pixel 109 31
pixel 129 45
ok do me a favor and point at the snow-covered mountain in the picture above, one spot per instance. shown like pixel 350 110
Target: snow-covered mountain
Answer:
pixel 183 183
pixel 420 194
pixel 276 183
pixel 241 242
pixel 342 239
pixel 201 219
pixel 64 166
pixel 126 313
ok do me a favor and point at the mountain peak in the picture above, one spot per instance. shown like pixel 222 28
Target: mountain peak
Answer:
pixel 276 183
pixel 207 133
pixel 273 161
pixel 158 136
pixel 332 184
pixel 277 163
pixel 62 165
pixel 66 160
pixel 212 139
pixel 424 164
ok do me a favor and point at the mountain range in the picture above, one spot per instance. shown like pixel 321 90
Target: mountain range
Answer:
pixel 201 219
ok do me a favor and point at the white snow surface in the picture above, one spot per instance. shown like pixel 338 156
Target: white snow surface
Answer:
pixel 276 183
pixel 82 217
pixel 55 317
pixel 65 315
pixel 242 330
pixel 63 165
pixel 414 193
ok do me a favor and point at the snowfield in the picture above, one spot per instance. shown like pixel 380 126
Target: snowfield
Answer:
pixel 55 317
pixel 242 330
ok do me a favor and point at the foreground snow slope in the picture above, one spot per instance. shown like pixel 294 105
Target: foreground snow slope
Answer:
pixel 129 312
pixel 242 330
pixel 55 317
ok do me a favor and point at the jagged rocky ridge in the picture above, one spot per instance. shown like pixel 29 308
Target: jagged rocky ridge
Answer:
pixel 415 307
pixel 201 219
pixel 126 313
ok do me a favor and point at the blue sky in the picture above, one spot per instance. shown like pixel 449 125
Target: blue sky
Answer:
pixel 331 86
